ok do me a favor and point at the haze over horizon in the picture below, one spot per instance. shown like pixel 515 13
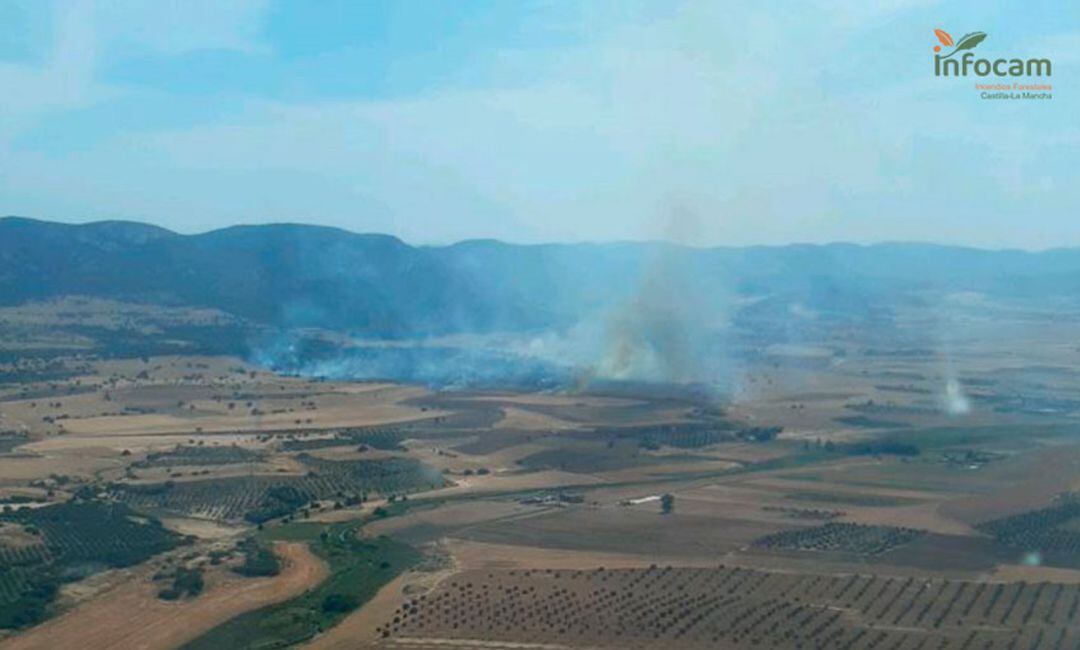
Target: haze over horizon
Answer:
pixel 598 242
pixel 539 122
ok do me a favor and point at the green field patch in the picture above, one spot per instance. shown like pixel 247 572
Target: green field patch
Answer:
pixel 359 567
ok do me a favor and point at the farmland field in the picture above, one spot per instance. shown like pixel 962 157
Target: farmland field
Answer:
pixel 851 515
pixel 257 498
pixel 663 607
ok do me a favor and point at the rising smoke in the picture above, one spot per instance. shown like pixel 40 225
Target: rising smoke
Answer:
pixel 659 324
pixel 954 400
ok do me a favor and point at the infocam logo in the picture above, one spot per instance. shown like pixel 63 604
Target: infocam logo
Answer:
pixel 951 65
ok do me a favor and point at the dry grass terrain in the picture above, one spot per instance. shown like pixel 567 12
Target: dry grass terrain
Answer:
pixel 130 615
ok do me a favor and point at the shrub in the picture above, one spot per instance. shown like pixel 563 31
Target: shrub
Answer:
pixel 339 603
pixel 259 560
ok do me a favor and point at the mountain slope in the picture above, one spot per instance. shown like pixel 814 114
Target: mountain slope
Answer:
pixel 376 285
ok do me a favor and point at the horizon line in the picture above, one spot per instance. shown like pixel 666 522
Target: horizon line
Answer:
pixel 493 240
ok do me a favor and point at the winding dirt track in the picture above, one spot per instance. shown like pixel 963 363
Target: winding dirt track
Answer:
pixel 131 616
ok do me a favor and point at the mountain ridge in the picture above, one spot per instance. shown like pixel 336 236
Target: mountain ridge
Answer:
pixel 296 275
pixel 490 240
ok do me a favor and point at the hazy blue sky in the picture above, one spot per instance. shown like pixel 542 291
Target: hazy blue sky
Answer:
pixel 703 122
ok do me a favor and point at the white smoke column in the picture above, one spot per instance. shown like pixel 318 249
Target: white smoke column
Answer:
pixel 955 400
pixel 660 333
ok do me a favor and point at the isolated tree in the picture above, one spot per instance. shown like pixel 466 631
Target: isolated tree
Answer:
pixel 667 504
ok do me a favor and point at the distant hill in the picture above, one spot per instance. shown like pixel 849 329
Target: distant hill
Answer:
pixel 378 286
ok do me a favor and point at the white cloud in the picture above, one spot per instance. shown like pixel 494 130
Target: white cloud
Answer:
pixel 759 122
pixel 65 80
pixel 85 31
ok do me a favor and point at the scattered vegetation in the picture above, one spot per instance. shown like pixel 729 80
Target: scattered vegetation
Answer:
pixel 201 455
pixel 850 499
pixel 185 583
pixel 595 456
pixel 359 567
pixel 259 559
pixel 1049 530
pixel 277 501
pixel 259 498
pixel 384 438
pixel 850 538
pixel 729 607
pixel 879 448
pixel 76 538
pixel 8 441
pixel 870 423
pixel 804 513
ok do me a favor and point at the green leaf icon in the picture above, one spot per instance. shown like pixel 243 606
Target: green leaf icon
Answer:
pixel 967 42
